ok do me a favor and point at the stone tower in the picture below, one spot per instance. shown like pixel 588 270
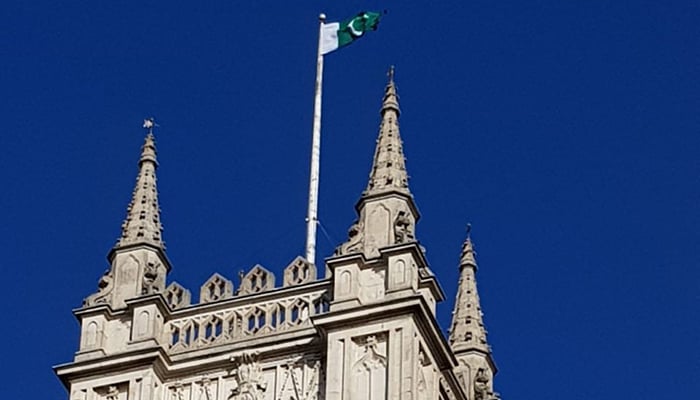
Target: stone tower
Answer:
pixel 365 331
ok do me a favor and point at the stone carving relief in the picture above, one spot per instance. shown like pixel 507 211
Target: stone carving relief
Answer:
pixel 300 381
pixel 299 272
pixel 215 288
pixel 257 280
pixel 177 296
pixel 104 288
pixel 112 392
pixel 354 242
pixel 371 285
pixel 248 382
pixel 403 228
pixel 368 373
pixel 482 386
pixel 151 279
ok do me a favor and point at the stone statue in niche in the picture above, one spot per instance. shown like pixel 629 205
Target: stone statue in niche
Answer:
pixel 403 228
pixel 354 242
pixel 150 274
pixel 112 393
pixel 104 288
pixel 248 383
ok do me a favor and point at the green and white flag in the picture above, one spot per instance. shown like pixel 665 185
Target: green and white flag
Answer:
pixel 339 34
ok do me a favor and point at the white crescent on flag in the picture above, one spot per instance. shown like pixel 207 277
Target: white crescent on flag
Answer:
pixel 353 31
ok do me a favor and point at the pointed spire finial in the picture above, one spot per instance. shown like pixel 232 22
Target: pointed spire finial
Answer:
pixel 148 124
pixel 142 223
pixel 468 253
pixel 391 98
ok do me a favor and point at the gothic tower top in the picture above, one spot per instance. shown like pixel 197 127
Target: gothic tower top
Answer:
pixel 387 213
pixel 142 223
pixel 138 264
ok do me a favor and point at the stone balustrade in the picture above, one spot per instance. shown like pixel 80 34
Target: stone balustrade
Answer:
pixel 244 317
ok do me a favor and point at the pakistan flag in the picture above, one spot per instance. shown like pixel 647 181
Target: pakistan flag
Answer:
pixel 339 34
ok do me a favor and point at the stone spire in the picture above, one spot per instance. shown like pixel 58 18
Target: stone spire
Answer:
pixel 142 224
pixel 468 334
pixel 387 213
pixel 389 167
pixel 138 262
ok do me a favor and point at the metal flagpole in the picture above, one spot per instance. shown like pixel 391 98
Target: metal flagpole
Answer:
pixel 312 215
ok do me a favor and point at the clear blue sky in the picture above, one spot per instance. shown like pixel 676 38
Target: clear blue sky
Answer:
pixel 566 132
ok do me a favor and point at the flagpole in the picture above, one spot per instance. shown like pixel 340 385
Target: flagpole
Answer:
pixel 312 215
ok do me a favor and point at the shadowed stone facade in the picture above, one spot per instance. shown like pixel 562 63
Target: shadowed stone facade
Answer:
pixel 365 331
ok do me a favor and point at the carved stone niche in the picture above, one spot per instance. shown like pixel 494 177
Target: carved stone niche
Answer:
pixel 257 280
pixel 299 272
pixel 177 296
pixel 368 372
pixel 215 288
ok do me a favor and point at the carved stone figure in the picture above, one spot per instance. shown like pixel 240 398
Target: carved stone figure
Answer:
pixel 112 393
pixel 481 385
pixel 403 228
pixel 104 288
pixel 248 383
pixel 150 274
pixel 354 242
